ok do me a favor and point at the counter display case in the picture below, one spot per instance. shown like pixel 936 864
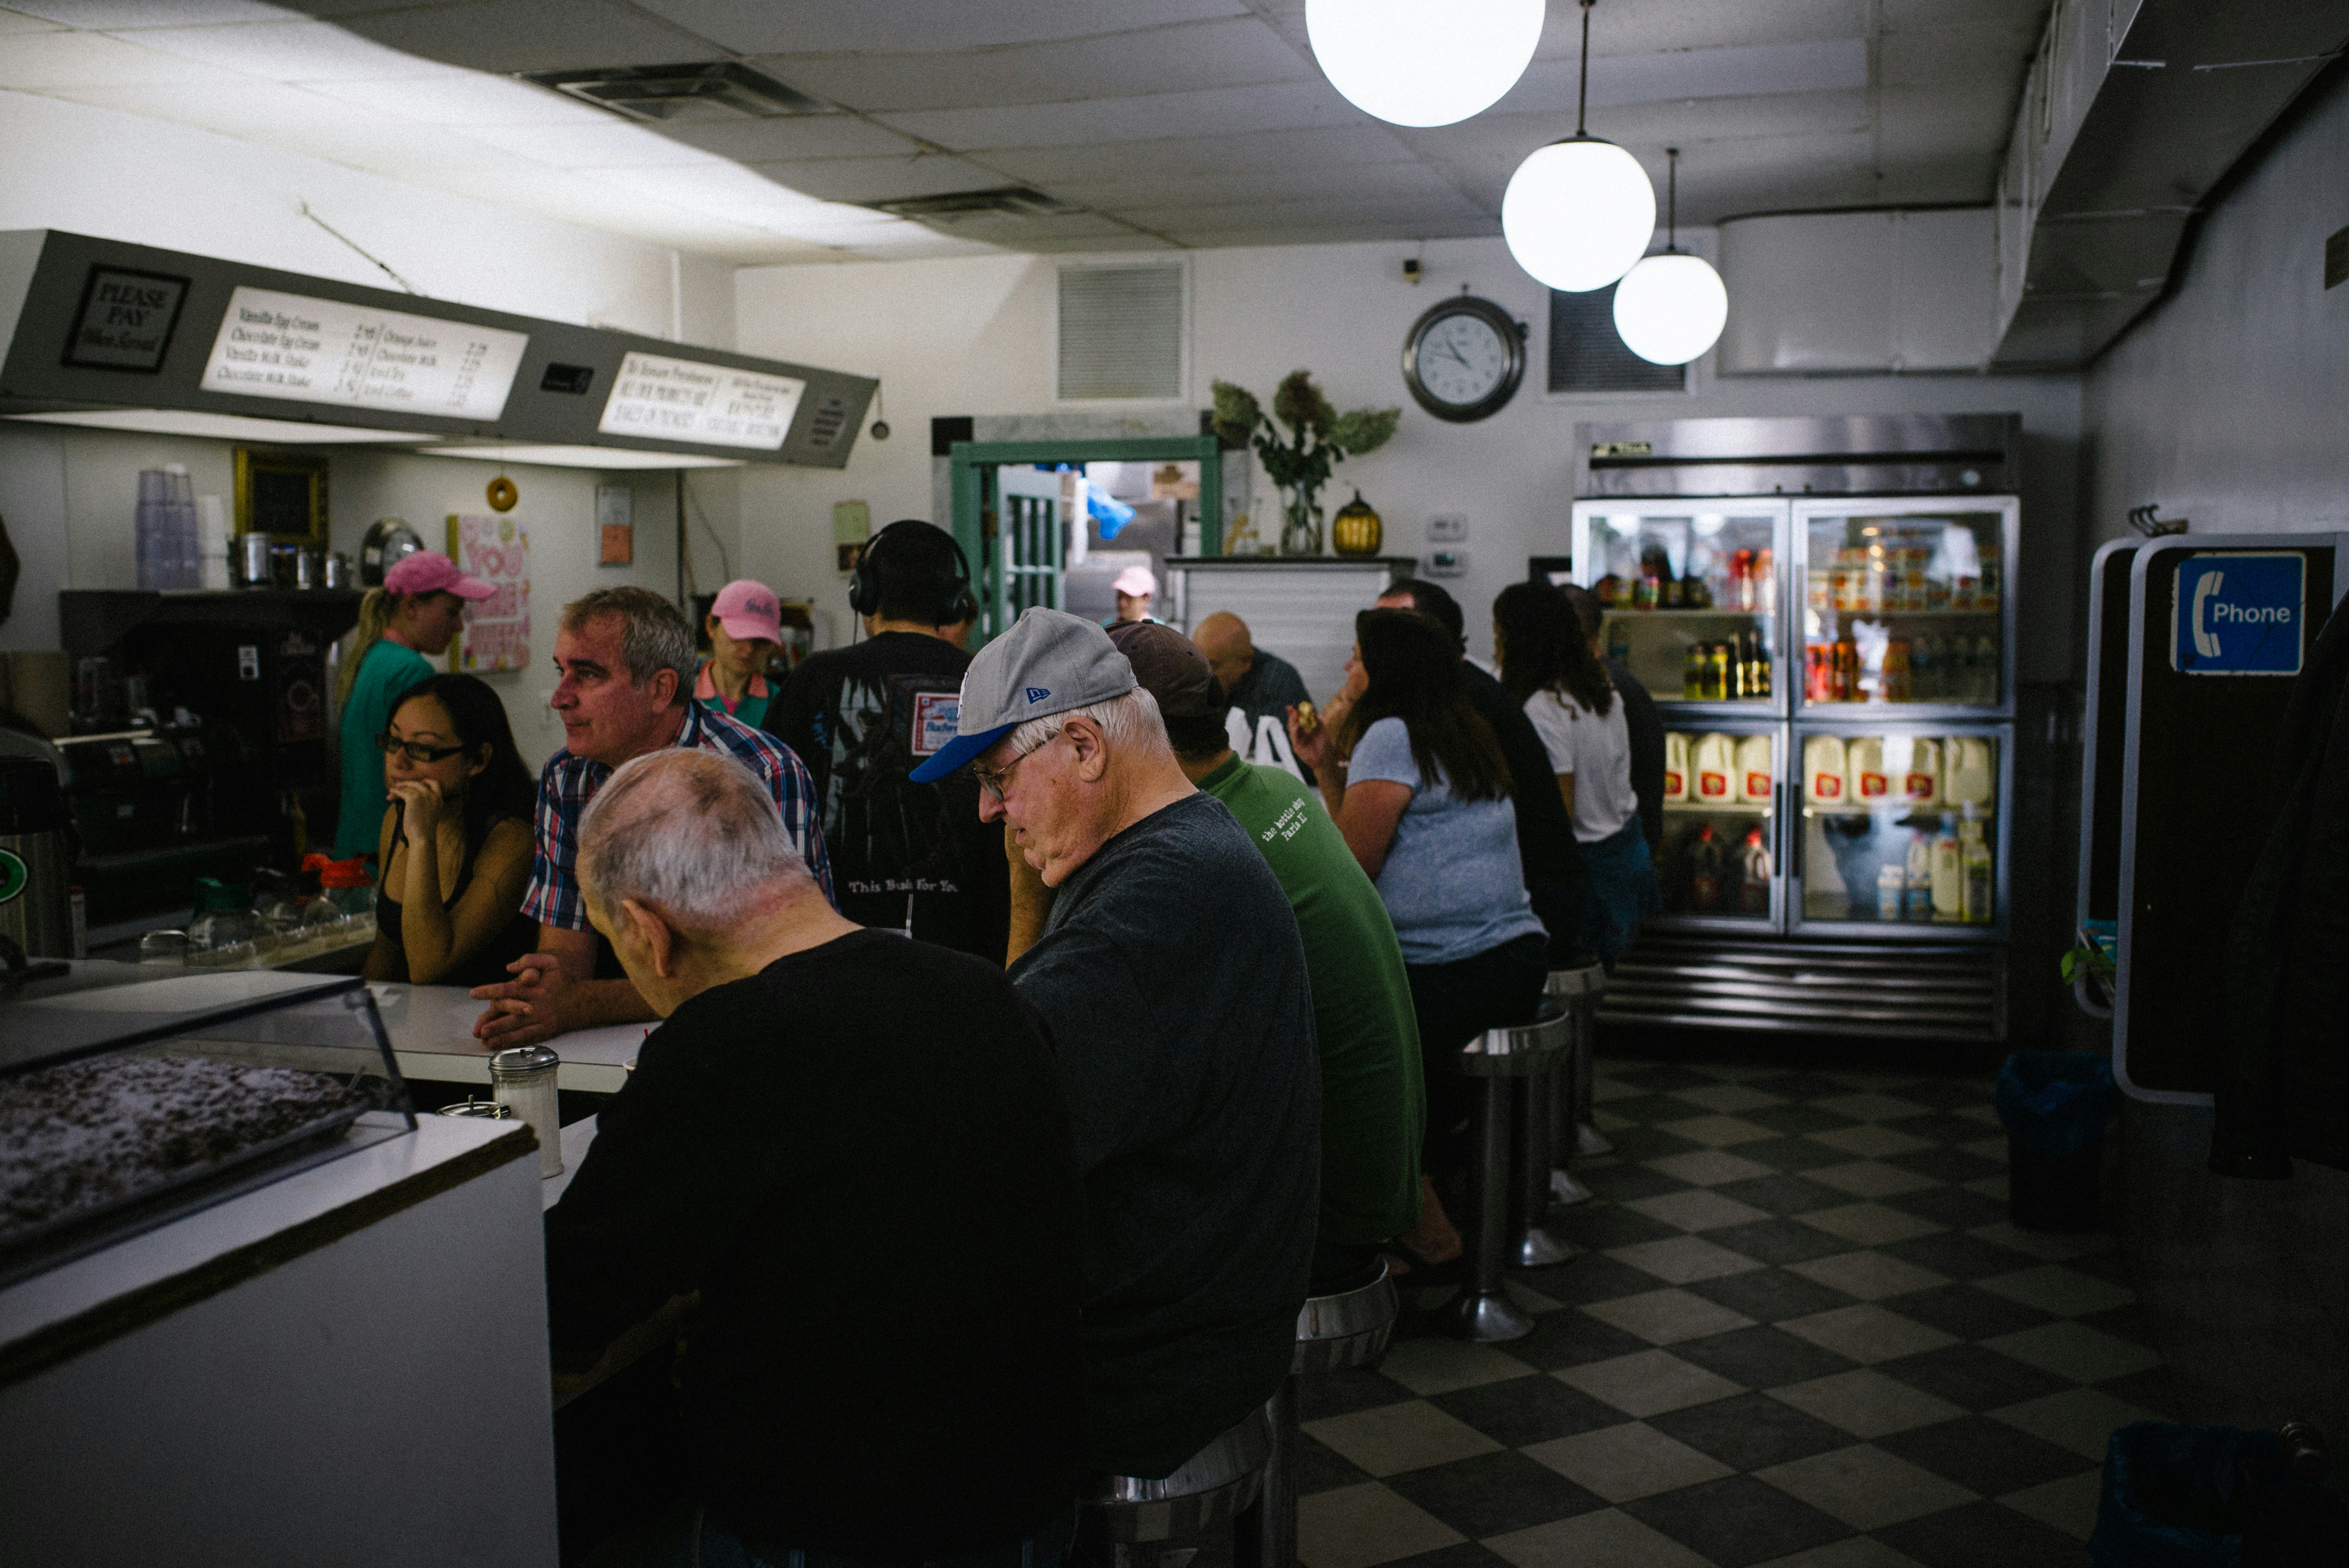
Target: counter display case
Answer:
pixel 1692 598
pixel 1901 832
pixel 133 1095
pixel 1904 604
pixel 1718 867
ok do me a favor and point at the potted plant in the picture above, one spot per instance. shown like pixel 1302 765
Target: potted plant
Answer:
pixel 1299 459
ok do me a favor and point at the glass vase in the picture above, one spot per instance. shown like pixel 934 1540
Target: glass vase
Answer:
pixel 1300 527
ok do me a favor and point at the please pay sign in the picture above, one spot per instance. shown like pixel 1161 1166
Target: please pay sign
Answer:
pixel 2237 612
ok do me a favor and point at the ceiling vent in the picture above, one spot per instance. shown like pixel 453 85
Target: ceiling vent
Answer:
pixel 1018 201
pixel 1587 354
pixel 1122 332
pixel 720 89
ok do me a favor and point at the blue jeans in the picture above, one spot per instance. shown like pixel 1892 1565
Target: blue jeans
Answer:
pixel 703 1543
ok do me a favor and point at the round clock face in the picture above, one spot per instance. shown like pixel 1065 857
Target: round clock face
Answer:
pixel 1463 360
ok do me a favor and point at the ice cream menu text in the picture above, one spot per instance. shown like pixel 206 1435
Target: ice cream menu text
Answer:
pixel 324 351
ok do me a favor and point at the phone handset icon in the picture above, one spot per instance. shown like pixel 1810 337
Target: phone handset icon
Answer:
pixel 2206 643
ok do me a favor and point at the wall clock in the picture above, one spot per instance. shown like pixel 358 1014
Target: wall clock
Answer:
pixel 1465 358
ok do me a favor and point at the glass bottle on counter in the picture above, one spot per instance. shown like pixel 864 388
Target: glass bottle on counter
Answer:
pixel 222 934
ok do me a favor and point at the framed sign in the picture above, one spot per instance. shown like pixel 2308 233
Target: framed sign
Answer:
pixel 495 549
pixel 281 494
pixel 125 320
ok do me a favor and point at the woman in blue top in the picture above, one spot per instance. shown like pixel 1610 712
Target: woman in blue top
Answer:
pixel 416 612
pixel 1415 781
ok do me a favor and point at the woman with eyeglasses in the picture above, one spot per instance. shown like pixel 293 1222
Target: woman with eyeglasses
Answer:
pixel 416 614
pixel 456 842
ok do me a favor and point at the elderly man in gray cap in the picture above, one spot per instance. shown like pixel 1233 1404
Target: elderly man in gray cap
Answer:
pixel 1171 977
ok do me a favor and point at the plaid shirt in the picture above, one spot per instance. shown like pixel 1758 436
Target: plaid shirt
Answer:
pixel 568 783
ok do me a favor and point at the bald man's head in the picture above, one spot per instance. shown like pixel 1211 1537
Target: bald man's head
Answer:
pixel 1231 653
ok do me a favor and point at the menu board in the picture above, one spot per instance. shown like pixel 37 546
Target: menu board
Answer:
pixel 361 356
pixel 666 399
pixel 496 635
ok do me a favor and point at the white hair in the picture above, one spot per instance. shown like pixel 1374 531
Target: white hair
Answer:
pixel 1130 723
pixel 691 833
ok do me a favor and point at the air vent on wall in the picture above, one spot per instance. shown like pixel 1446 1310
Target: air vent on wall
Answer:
pixel 1121 332
pixel 1018 201
pixel 719 90
pixel 1588 354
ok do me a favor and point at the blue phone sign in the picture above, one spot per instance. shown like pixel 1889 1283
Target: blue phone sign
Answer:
pixel 2237 612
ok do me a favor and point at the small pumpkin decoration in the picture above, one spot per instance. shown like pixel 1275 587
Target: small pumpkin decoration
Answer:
pixel 1356 530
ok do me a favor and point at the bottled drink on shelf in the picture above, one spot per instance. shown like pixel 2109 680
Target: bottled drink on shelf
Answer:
pixel 1979 892
pixel 1704 869
pixel 1716 765
pixel 1985 671
pixel 1949 875
pixel 1920 877
pixel 1891 890
pixel 1676 767
pixel 1824 770
pixel 1692 667
pixel 1755 864
pixel 1921 781
pixel 1716 672
pixel 1870 784
pixel 1754 772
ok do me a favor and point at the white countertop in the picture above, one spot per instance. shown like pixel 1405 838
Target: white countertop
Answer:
pixel 431 1030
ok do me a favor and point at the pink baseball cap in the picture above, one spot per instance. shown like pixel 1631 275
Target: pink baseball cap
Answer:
pixel 429 572
pixel 748 612
pixel 1136 582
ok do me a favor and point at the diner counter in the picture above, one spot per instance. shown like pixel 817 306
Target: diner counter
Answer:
pixel 432 1031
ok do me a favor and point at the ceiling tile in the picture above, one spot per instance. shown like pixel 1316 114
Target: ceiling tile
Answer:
pixel 880 179
pixel 792 137
pixel 1685 125
pixel 108 16
pixel 473 99
pixel 611 144
pixel 12 23
pixel 1991 59
pixel 1280 106
pixel 1141 188
pixel 1275 232
pixel 1405 213
pixel 2028 17
pixel 530 34
pixel 1326 147
pixel 764 27
pixel 42 62
pixel 1751 71
pixel 1651 28
pixel 1230 53
pixel 290 52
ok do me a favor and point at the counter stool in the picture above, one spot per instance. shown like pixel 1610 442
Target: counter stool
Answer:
pixel 1127 1521
pixel 1580 990
pixel 1501 1057
pixel 1347 1325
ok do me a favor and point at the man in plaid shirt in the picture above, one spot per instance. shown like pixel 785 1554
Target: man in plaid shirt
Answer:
pixel 626 662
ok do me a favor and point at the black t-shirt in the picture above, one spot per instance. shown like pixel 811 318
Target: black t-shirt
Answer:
pixel 1644 723
pixel 861 1158
pixel 862 719
pixel 1173 980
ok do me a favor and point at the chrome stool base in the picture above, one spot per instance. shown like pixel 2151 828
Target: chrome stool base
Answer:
pixel 1502 1057
pixel 1590 1142
pixel 1564 1188
pixel 1483 1319
pixel 1345 1328
pixel 1132 1521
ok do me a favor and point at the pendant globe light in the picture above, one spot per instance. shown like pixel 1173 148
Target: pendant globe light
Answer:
pixel 1413 62
pixel 1672 306
pixel 1579 213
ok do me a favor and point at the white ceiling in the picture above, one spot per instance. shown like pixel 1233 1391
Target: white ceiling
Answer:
pixel 1169 122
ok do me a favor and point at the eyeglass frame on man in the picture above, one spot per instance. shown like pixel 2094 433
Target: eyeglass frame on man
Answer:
pixel 993 782
pixel 417 752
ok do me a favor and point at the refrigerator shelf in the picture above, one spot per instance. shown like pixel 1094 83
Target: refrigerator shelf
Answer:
pixel 1712 612
pixel 1749 808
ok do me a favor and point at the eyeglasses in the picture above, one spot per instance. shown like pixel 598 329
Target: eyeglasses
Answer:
pixel 993 782
pixel 415 751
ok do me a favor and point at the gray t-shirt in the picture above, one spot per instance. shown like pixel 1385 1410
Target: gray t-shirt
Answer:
pixel 1453 883
pixel 1173 981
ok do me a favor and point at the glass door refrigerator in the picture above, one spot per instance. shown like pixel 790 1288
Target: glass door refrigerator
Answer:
pixel 1835 678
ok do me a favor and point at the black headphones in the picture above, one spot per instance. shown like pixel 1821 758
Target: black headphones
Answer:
pixel 864 584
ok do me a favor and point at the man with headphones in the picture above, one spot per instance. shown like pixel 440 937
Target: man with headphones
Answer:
pixel 906 856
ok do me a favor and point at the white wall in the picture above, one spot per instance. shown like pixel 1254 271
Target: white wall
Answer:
pixel 972 337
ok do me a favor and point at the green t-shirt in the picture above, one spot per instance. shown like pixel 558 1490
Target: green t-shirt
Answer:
pixel 1374 1103
pixel 388 669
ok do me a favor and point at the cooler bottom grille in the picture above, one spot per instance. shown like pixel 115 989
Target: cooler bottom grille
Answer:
pixel 1813 988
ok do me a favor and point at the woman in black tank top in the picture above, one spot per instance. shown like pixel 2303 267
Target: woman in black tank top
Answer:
pixel 456 844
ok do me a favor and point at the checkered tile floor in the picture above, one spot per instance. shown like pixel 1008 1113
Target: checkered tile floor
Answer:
pixel 1800 1332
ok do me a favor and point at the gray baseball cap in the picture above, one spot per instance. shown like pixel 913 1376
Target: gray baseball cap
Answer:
pixel 1048 662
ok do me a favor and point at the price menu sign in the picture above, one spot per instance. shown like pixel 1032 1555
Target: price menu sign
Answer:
pixel 661 398
pixel 360 356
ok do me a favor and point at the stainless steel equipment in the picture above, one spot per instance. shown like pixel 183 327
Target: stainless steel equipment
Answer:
pixel 253 569
pixel 1836 674
pixel 37 856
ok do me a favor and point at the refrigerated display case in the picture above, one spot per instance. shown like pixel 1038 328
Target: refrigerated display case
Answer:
pixel 1865 645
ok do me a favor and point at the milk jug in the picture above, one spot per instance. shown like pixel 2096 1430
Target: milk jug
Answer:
pixel 1823 771
pixel 1949 876
pixel 1676 765
pixel 1967 779
pixel 1869 783
pixel 1716 764
pixel 1755 769
pixel 1920 780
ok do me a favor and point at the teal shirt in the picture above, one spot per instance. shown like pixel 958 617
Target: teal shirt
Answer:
pixel 1373 1101
pixel 388 669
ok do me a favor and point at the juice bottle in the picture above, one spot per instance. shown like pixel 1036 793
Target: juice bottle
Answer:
pixel 1921 878
pixel 1949 875
pixel 1824 763
pixel 1979 891
pixel 1704 869
pixel 1676 767
pixel 1716 672
pixel 1692 673
pixel 1864 767
pixel 1754 769
pixel 1754 861
pixel 1716 768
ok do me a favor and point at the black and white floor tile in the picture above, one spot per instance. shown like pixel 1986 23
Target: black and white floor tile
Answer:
pixel 1800 1332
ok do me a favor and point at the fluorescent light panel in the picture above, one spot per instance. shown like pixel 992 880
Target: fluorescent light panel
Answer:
pixel 584 456
pixel 223 426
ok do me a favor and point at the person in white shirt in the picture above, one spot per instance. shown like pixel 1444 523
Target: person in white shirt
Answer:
pixel 1546 665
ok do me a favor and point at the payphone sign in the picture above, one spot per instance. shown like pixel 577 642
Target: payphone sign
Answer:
pixel 2237 612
